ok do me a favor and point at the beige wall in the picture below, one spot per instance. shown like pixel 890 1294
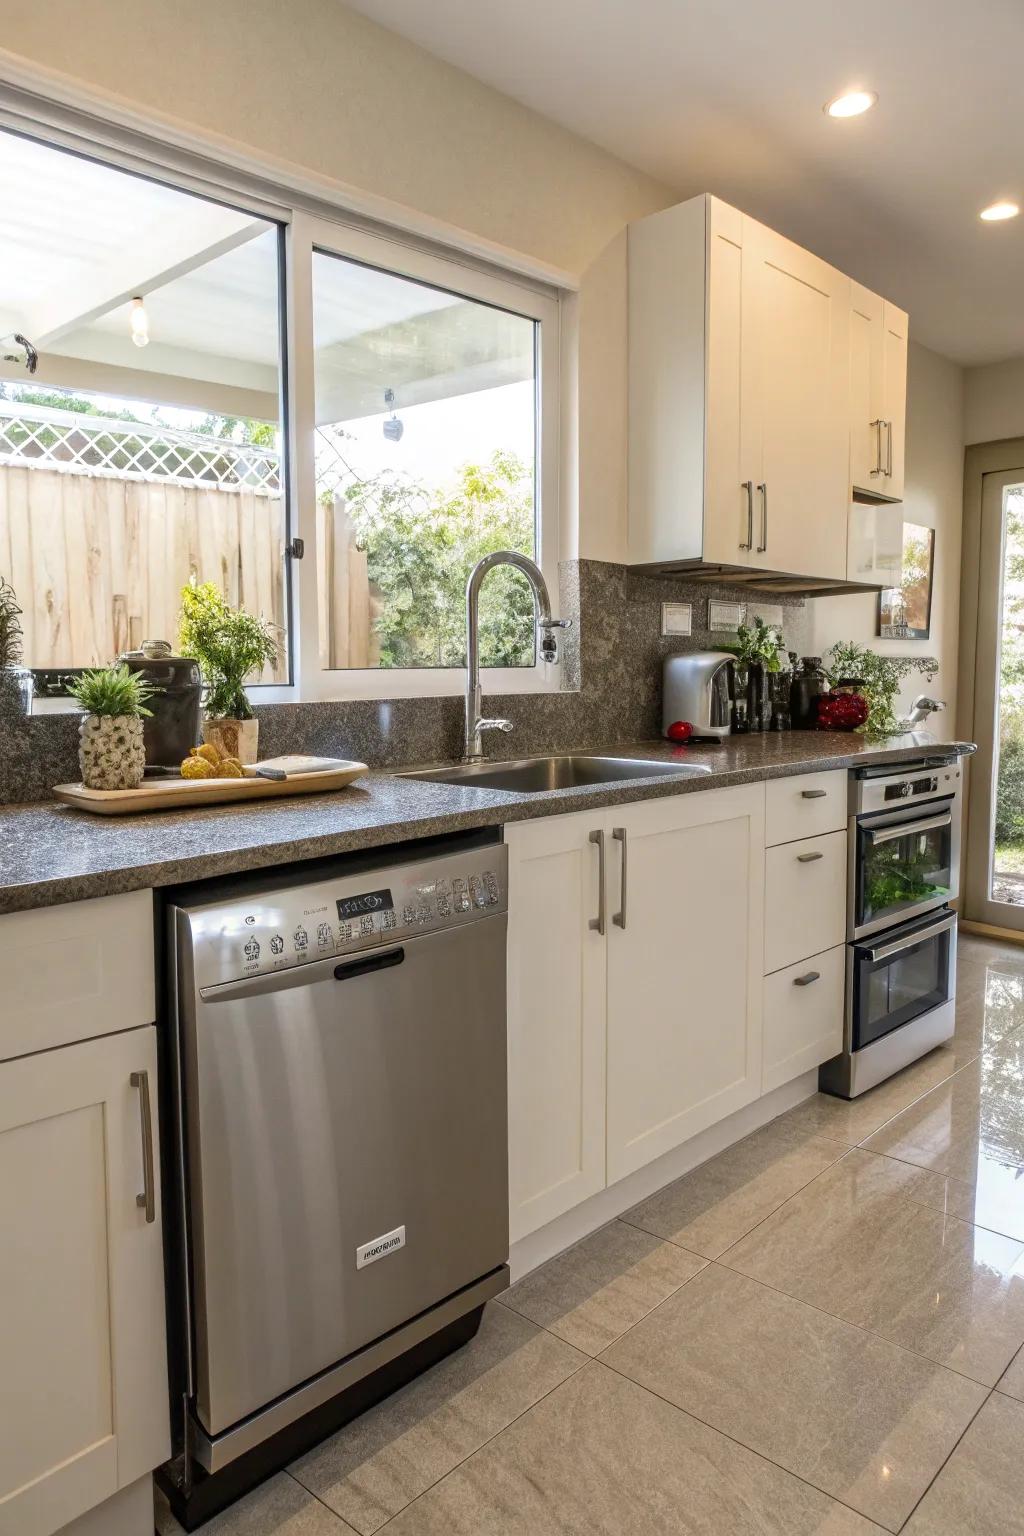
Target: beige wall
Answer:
pixel 933 496
pixel 994 402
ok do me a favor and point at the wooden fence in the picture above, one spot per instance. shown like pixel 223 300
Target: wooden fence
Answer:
pixel 98 564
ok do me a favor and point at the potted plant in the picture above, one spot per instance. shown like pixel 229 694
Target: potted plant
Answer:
pixel 882 677
pixel 15 680
pixel 230 646
pixel 757 654
pixel 111 750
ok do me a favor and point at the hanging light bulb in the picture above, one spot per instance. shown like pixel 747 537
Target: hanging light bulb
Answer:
pixel 139 322
pixel 394 426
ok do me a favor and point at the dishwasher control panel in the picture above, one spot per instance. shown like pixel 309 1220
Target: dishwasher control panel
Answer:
pixel 295 926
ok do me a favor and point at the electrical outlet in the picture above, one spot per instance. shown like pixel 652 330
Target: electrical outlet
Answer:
pixel 725 618
pixel 676 619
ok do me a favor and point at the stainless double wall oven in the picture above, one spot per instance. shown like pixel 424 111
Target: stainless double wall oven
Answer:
pixel 904 870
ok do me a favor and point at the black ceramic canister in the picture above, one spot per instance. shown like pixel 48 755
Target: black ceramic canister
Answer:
pixel 172 730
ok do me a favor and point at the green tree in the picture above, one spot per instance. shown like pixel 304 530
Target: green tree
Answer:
pixel 421 544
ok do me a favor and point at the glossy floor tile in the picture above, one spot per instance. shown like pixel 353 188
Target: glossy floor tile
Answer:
pixel 854 1415
pixel 855 1244
pixel 596 1290
pixel 980 1490
pixel 1012 1381
pixel 989 1004
pixel 377 1464
pixel 850 1121
pixel 277 1508
pixel 602 1455
pixel 711 1207
pixel 970 1127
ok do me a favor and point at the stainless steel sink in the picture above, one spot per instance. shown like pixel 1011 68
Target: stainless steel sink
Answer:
pixel 538 775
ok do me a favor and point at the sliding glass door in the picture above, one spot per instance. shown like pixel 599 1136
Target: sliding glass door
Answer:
pixel 995 873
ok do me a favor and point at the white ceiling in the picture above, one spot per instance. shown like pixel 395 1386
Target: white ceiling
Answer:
pixel 726 96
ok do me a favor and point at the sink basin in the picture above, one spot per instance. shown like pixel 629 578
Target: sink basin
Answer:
pixel 537 775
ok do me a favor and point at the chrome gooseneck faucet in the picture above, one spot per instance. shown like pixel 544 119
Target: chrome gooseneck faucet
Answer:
pixel 476 723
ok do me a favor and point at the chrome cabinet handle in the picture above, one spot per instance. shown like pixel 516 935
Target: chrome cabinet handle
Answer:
pixel 147 1198
pixel 808 858
pixel 888 451
pixel 878 425
pixel 599 922
pixel 619 918
pixel 813 794
pixel 748 486
pixel 805 981
pixel 762 487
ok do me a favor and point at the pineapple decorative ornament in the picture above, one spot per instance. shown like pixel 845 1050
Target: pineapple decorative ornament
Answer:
pixel 111 750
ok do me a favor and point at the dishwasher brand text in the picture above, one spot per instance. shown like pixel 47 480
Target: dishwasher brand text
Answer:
pixel 380 1247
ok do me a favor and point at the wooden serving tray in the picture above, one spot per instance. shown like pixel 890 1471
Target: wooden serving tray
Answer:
pixel 179 794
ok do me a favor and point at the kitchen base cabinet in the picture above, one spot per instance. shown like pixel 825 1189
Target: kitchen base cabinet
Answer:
pixel 805 899
pixel 686 877
pixel 803 1017
pixel 556 999
pixel 83 1388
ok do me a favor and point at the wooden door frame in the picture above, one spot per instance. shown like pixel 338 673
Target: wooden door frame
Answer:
pixel 980 459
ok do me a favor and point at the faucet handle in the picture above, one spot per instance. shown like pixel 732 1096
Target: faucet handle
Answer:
pixel 494 725
pixel 557 624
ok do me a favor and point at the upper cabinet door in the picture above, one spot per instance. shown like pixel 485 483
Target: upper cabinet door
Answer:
pixel 795 405
pixel 895 340
pixel 867 391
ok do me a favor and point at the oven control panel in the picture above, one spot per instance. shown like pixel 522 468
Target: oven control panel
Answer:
pixel 903 784
pixel 331 919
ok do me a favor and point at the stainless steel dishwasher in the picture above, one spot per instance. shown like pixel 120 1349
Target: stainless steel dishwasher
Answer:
pixel 343 1130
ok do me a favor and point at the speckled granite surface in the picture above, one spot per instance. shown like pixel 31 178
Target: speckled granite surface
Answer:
pixel 51 853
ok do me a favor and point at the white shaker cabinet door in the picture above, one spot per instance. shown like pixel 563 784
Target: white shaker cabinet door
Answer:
pixel 795 405
pixel 83 1387
pixel 556 1019
pixel 686 897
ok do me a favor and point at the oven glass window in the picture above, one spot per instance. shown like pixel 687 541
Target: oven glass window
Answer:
pixel 903 864
pixel 895 988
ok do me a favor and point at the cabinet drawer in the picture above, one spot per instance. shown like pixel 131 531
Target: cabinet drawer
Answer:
pixel 803 1017
pixel 805 899
pixel 805 806
pixel 76 971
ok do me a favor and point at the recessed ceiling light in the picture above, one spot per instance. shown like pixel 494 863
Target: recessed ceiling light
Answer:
pixel 996 211
pixel 851 103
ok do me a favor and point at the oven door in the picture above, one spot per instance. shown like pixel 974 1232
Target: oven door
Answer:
pixel 898 978
pixel 903 863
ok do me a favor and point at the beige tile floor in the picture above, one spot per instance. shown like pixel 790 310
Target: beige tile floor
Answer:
pixel 819 1332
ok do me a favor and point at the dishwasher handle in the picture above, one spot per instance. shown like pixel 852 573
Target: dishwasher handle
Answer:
pixel 369 963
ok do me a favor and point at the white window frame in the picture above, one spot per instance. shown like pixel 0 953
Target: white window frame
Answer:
pixel 320 215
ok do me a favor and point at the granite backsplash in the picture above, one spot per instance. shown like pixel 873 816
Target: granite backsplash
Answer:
pixel 611 691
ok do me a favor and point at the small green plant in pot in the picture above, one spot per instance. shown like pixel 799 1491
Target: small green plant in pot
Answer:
pixel 15 680
pixel 111 749
pixel 230 646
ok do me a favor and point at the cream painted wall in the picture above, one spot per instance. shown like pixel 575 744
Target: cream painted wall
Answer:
pixel 312 83
pixel 933 496
pixel 994 402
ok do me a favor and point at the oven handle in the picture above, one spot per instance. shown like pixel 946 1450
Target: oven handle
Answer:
pixel 910 939
pixel 908 828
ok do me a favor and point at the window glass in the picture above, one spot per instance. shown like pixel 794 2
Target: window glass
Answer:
pixel 146 448
pixel 426 446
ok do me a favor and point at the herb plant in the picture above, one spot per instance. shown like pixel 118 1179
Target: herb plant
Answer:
pixel 881 675
pixel 10 626
pixel 757 642
pixel 228 644
pixel 113 691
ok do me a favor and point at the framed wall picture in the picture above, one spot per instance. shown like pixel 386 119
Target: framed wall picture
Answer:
pixel 905 612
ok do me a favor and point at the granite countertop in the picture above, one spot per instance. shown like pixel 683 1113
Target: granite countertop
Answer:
pixel 51 853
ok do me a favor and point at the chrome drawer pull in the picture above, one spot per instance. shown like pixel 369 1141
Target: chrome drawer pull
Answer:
pixel 748 486
pixel 813 794
pixel 147 1198
pixel 808 858
pixel 762 487
pixel 599 922
pixel 805 981
pixel 878 425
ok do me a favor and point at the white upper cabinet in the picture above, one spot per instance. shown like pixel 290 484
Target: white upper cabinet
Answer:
pixel 878 394
pixel 749 363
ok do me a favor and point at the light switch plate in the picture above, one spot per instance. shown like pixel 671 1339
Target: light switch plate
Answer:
pixel 725 618
pixel 676 619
